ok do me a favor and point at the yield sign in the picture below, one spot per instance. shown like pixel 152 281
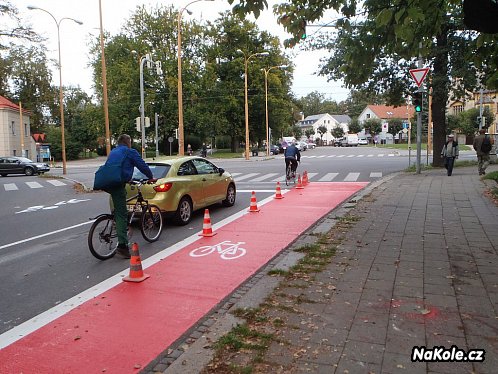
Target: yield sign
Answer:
pixel 418 75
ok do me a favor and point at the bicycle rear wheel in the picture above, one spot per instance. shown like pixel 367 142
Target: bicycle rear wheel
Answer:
pixel 151 223
pixel 103 238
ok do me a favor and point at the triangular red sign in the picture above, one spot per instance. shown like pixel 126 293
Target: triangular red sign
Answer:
pixel 418 75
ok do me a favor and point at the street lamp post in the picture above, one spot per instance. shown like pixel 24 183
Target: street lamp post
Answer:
pixel 104 85
pixel 246 104
pixel 147 58
pixel 266 104
pixel 180 84
pixel 61 95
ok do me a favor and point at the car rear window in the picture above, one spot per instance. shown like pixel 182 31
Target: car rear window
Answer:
pixel 158 171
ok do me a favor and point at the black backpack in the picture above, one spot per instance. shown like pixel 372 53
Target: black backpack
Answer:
pixel 486 144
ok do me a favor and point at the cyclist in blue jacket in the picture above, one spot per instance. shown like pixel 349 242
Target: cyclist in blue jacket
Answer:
pixel 118 194
pixel 293 156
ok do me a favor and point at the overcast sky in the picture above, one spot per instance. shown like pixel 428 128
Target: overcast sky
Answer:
pixel 75 38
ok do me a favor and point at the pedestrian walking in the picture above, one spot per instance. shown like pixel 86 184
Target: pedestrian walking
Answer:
pixel 450 153
pixel 189 150
pixel 482 145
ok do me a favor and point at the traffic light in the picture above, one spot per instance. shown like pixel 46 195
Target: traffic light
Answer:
pixel 302 29
pixel 417 102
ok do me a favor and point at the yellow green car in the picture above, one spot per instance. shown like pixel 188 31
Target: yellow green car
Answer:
pixel 184 185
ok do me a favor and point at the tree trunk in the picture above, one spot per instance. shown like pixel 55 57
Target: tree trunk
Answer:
pixel 440 84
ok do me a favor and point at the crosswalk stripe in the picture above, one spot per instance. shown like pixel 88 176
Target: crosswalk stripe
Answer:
pixel 375 175
pixel 328 177
pixel 10 187
pixel 340 156
pixel 380 155
pixel 351 177
pixel 311 175
pixel 263 177
pixel 361 155
pixel 235 174
pixel 34 185
pixel 247 176
pixel 370 155
pixel 55 182
pixel 351 156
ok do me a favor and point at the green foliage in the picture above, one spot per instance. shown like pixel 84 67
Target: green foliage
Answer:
pixel 321 130
pixel 372 126
pixel 355 126
pixel 395 125
pixel 309 133
pixel 337 131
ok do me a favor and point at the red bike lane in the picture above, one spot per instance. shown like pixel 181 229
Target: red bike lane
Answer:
pixel 125 328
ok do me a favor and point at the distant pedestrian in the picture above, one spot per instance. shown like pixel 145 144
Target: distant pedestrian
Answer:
pixel 482 145
pixel 450 153
pixel 204 150
pixel 189 150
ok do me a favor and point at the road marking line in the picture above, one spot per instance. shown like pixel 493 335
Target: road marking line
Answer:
pixel 263 177
pixel 10 187
pixel 34 184
pixel 375 175
pixel 311 175
pixel 340 156
pixel 381 155
pixel 351 177
pixel 46 234
pixel 55 182
pixel 328 177
pixel 247 176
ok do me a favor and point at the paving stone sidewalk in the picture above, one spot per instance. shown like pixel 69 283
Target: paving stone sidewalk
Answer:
pixel 419 267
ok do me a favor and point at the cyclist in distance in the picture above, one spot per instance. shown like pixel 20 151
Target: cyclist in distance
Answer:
pixel 293 156
pixel 118 195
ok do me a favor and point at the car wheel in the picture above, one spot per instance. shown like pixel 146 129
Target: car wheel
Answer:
pixel 29 171
pixel 183 213
pixel 231 194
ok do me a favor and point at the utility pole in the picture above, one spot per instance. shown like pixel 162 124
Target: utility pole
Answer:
pixel 480 107
pixel 419 119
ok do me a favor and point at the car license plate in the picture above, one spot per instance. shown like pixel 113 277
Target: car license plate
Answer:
pixel 132 207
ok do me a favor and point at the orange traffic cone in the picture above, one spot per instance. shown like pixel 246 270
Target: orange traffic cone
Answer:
pixel 305 178
pixel 206 226
pixel 136 272
pixel 254 205
pixel 278 192
pixel 299 183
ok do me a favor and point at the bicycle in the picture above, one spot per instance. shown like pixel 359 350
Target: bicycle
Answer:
pixel 290 176
pixel 103 238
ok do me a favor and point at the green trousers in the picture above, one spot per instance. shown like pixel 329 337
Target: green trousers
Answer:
pixel 118 196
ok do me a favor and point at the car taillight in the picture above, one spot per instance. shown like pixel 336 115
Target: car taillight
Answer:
pixel 164 187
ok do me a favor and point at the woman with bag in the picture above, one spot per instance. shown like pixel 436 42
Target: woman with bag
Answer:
pixel 450 153
pixel 112 178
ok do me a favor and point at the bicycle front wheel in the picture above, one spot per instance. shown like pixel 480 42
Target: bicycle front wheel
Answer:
pixel 151 223
pixel 103 238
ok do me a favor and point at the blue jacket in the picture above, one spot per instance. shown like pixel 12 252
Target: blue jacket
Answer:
pixel 132 159
pixel 292 152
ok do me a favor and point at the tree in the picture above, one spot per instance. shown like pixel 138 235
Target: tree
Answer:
pixel 376 50
pixel 12 27
pixel 355 126
pixel 321 130
pixel 29 78
pixel 394 125
pixel 309 133
pixel 337 131
pixel 372 126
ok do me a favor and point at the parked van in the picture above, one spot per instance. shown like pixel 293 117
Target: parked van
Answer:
pixel 350 140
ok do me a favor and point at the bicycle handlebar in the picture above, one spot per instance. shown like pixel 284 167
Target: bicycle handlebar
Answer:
pixel 141 182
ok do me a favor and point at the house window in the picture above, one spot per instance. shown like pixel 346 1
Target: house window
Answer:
pixel 457 109
pixel 368 115
pixel 25 130
pixel 13 127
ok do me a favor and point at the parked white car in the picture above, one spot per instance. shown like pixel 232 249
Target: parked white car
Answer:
pixel 362 141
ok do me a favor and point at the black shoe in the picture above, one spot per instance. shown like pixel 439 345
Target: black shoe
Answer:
pixel 123 251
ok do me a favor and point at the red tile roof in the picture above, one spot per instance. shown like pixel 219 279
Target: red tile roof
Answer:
pixel 381 111
pixel 5 103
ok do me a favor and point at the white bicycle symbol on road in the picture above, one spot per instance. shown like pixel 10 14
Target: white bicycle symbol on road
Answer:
pixel 226 249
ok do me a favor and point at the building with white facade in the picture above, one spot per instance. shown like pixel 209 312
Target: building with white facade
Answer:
pixel 15 135
pixel 329 121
